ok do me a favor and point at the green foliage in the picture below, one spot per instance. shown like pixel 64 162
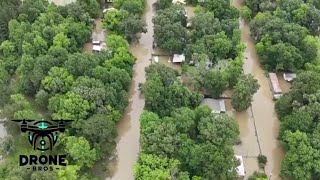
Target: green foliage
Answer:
pixel 4 83
pixel 90 6
pixel 216 47
pixel 69 106
pixel 282 36
pixel 163 4
pixel 243 92
pixel 81 64
pixel 116 42
pixel 301 159
pixel 298 120
pixel 167 75
pixel 154 167
pixel 40 49
pixel 126 21
pixel 258 176
pixel 113 19
pixel 163 99
pixel 262 160
pixel 246 13
pixel 134 6
pixel 8 11
pixel 222 162
pixel 218 129
pixel 79 150
pixel 70 172
pixel 215 82
pixel 58 81
pixel 100 130
pixel 221 8
pixel 169 31
pixel 18 108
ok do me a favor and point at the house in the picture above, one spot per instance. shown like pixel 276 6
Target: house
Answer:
pixel 289 76
pixel 216 105
pixel 240 169
pixel 96 48
pixel 179 2
pixel 177 58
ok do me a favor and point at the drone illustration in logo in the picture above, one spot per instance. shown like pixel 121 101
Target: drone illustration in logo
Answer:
pixel 43 135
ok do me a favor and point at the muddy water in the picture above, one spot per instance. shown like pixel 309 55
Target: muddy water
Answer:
pixel 262 114
pixel 129 127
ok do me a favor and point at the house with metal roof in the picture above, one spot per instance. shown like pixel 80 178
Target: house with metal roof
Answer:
pixel 289 76
pixel 216 105
pixel 178 58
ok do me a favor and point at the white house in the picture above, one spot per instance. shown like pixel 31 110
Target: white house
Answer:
pixel 178 58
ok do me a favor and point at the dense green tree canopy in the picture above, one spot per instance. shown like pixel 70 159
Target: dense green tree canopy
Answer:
pixel 170 33
pixel 243 92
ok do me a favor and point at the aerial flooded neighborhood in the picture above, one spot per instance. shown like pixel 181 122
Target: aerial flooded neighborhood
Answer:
pixel 160 89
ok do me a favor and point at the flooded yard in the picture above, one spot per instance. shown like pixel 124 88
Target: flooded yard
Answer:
pixel 259 125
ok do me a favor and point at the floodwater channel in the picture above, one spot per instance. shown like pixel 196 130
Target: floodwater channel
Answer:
pixel 128 144
pixel 259 125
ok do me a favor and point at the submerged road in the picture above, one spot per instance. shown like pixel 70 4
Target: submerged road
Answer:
pixel 261 119
pixel 129 128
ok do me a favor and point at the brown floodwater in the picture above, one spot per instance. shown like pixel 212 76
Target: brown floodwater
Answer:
pixel 259 125
pixel 128 145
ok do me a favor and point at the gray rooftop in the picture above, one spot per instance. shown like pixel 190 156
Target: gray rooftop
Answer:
pixel 217 105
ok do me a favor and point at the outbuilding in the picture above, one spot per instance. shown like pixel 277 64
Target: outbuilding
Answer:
pixel 178 58
pixel 179 2
pixel 96 48
pixel 156 59
pixel 240 169
pixel 216 105
pixel 289 76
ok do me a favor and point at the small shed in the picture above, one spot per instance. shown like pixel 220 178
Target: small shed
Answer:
pixel 178 58
pixel 289 76
pixel 96 48
pixel 240 169
pixel 179 2
pixel 189 24
pixel 95 42
pixel 156 59
pixel 216 105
